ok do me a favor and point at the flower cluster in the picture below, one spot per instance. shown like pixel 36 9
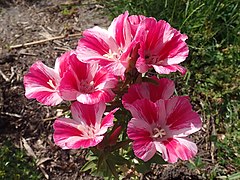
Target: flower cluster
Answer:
pixel 119 69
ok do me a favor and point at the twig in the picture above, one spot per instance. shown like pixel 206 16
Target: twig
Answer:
pixel 55 117
pixel 11 114
pixel 31 153
pixel 212 143
pixel 44 40
pixel 27 54
pixel 4 76
pixel 61 48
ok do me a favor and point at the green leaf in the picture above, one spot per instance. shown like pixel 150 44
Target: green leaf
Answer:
pixel 120 145
pixel 157 158
pixel 143 167
pixel 118 159
pixel 111 166
pixel 88 165
pixel 100 161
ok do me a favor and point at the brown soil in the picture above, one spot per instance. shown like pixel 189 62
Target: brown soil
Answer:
pixel 26 122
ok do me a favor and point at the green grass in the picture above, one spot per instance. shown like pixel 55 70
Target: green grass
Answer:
pixel 214 63
pixel 14 164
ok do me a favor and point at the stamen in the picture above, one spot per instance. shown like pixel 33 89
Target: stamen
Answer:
pixel 158 133
pixel 86 86
pixel 50 83
pixel 110 54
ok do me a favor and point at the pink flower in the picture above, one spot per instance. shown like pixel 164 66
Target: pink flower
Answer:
pixel 162 89
pixel 42 82
pixel 110 48
pixel 86 83
pixel 86 129
pixel 161 48
pixel 163 126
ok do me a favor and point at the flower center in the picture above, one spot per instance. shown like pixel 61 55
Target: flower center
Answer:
pixel 86 87
pixel 158 133
pixel 153 59
pixel 111 55
pixel 86 131
pixel 50 83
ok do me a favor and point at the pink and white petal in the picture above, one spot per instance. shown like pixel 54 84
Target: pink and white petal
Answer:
pixel 96 97
pixel 187 150
pixel 139 131
pixel 171 155
pixel 135 92
pixel 62 63
pixel 87 55
pixel 141 65
pixel 179 68
pixel 65 128
pixel 42 79
pixel 148 90
pixel 44 97
pixel 174 51
pixel 78 142
pixel 82 71
pixel 95 43
pixel 164 89
pixel 169 68
pixel 69 86
pixel 39 75
pixel 162 149
pixel 113 66
pixel 107 122
pixel 163 69
pixel 138 128
pixel 161 108
pixel 120 29
pixel 181 120
pixel 144 149
pixel 135 21
pixel 84 114
pixel 144 109
pixel 104 80
pixel 101 36
pixel 180 148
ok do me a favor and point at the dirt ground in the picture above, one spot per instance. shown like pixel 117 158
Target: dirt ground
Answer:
pixel 29 124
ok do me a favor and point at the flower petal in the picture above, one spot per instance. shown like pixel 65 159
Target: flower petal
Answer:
pixel 135 21
pixel 179 148
pixel 120 29
pixel 62 63
pixel 163 89
pixel 96 97
pixel 138 129
pixel 68 136
pixel 41 82
pixel 145 110
pixel 107 121
pixel 88 114
pixel 181 120
pixel 144 149
pixel 95 43
pixel 169 68
pixel 104 80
